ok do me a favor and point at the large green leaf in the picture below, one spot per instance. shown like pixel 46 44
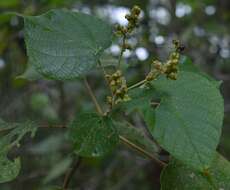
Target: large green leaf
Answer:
pixel 65 45
pixel 10 169
pixel 189 119
pixel 93 135
pixel 177 176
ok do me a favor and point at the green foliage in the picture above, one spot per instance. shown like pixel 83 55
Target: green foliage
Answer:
pixel 189 118
pixel 177 176
pixel 181 106
pixel 93 135
pixel 65 45
pixel 10 169
pixel 9 3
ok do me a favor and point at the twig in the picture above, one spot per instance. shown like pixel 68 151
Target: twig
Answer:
pixel 122 52
pixel 53 126
pixel 139 149
pixel 70 174
pixel 137 84
pixel 62 105
pixel 99 110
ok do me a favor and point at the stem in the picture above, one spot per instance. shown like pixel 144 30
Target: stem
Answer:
pixel 53 126
pixel 70 173
pixel 62 105
pixel 137 84
pixel 6 129
pixel 122 51
pixel 144 152
pixel 89 89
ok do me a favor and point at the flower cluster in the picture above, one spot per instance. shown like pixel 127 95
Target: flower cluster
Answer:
pixel 132 18
pixel 118 88
pixel 123 31
pixel 169 68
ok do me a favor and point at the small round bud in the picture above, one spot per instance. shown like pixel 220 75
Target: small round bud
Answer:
pixel 157 65
pixel 118 81
pixel 112 83
pixel 126 98
pixel 109 99
pixel 108 77
pixel 136 10
pixel 174 61
pixel 118 92
pixel 172 76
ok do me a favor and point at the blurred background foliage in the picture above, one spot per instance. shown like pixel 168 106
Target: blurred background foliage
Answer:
pixel 202 26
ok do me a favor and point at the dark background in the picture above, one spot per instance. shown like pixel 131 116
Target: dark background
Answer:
pixel 202 26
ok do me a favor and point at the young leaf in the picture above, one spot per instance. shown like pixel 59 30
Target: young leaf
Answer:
pixel 93 135
pixel 10 169
pixel 189 119
pixel 177 176
pixel 64 45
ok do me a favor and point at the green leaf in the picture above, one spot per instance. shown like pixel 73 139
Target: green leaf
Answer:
pixel 189 119
pixel 10 169
pixel 9 3
pixel 136 136
pixel 177 176
pixel 93 135
pixel 64 45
